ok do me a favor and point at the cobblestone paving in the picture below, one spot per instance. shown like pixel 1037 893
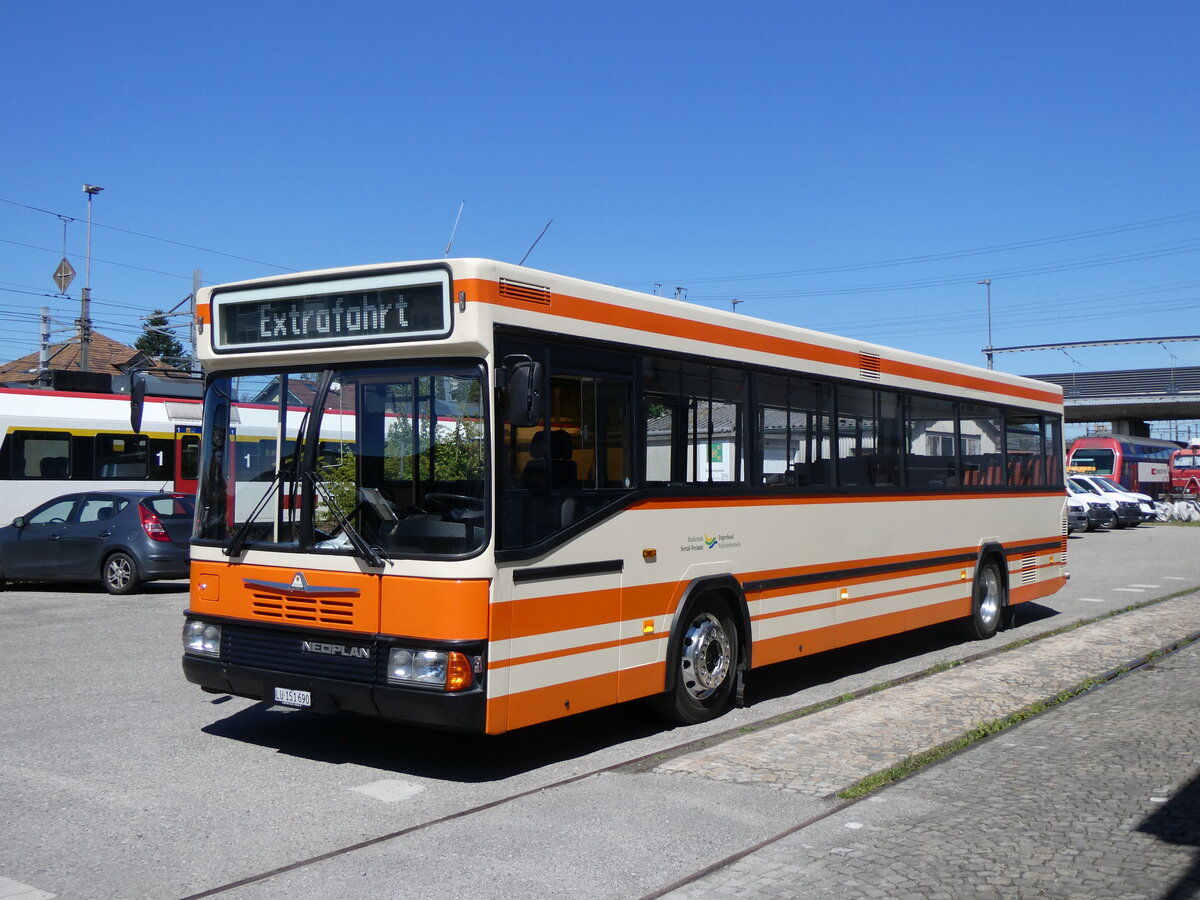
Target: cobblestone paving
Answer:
pixel 828 751
pixel 1097 798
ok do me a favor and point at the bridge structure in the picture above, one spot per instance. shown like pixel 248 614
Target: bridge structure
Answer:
pixel 1128 399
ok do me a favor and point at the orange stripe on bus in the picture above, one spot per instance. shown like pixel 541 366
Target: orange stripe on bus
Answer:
pixel 786 647
pixel 574 651
pixel 850 601
pixel 835 569
pixel 1025 592
pixel 560 612
pixel 600 312
pixel 553 702
pixel 757 500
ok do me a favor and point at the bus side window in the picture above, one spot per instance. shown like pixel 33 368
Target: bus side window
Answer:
pixel 929 458
pixel 793 428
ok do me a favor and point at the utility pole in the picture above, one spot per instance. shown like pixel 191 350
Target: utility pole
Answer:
pixel 85 320
pixel 988 351
pixel 44 344
pixel 197 281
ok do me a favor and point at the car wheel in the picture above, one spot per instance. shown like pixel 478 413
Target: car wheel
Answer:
pixel 705 663
pixel 987 603
pixel 120 574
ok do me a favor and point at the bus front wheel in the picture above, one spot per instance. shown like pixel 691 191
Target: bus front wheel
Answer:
pixel 705 663
pixel 987 602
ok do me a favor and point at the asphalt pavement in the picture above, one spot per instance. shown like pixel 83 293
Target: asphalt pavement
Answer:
pixel 120 780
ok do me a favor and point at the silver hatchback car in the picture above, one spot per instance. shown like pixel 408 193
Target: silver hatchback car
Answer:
pixel 121 538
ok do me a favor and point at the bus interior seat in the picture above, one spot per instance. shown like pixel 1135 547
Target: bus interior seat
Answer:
pixel 550 466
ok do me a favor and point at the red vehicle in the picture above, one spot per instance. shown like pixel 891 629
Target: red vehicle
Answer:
pixel 1136 463
pixel 1185 470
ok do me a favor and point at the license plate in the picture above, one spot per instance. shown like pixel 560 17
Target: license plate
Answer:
pixel 288 697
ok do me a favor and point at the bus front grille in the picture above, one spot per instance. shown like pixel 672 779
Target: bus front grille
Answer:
pixel 319 655
pixel 303 610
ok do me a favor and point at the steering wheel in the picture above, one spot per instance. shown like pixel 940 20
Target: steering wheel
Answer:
pixel 456 505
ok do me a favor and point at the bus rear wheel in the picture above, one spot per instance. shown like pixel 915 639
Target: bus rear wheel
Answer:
pixel 987 603
pixel 705 662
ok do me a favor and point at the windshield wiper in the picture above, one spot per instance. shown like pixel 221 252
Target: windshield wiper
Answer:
pixel 364 550
pixel 239 537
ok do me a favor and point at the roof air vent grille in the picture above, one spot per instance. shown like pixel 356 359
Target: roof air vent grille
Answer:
pixel 530 293
pixel 868 365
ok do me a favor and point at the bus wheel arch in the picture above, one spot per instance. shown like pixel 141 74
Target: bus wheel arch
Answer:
pixel 708 651
pixel 989 596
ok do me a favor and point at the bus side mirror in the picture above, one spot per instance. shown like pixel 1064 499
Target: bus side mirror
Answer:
pixel 137 397
pixel 523 391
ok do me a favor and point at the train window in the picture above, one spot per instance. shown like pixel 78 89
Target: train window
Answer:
pixel 40 454
pixel 121 455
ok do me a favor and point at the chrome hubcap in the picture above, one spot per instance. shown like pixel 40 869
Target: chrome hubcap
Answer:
pixel 706 656
pixel 989 601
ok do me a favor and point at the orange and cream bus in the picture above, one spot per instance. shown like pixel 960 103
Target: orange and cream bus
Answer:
pixel 546 496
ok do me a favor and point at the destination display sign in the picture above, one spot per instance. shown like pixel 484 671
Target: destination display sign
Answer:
pixel 401 306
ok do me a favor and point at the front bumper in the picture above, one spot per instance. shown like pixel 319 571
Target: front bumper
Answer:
pixel 255 660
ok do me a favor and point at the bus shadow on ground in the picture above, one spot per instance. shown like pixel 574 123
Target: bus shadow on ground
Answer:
pixel 441 755
pixel 472 758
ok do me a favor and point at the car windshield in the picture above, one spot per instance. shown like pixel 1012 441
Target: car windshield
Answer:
pixel 1086 486
pixel 378 462
pixel 1111 485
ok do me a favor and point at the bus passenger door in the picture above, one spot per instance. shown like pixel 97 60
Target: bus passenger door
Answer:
pixel 187 458
pixel 563 649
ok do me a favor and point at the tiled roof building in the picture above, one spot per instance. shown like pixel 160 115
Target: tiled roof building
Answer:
pixel 105 356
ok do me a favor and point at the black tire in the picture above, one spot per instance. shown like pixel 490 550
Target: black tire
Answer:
pixel 120 574
pixel 988 602
pixel 705 662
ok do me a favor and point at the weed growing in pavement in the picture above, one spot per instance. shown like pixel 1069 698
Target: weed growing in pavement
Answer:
pixel 918 761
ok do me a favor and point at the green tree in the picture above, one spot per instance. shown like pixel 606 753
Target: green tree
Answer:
pixel 341 479
pixel 159 342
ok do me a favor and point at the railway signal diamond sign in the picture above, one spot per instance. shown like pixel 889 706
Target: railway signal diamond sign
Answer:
pixel 64 275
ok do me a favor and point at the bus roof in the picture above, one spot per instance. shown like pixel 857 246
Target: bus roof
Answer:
pixel 533 298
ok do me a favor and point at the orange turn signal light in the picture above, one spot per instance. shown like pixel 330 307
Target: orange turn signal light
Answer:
pixel 458 671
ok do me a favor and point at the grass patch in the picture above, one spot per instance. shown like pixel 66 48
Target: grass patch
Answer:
pixel 918 761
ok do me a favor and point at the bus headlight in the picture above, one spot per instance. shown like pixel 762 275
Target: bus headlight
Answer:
pixel 450 671
pixel 202 637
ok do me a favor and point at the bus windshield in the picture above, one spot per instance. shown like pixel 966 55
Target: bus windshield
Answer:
pixel 378 462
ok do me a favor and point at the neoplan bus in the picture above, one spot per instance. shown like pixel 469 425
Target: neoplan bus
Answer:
pixel 491 496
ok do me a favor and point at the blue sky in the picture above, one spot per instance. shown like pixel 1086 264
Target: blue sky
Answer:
pixel 851 167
